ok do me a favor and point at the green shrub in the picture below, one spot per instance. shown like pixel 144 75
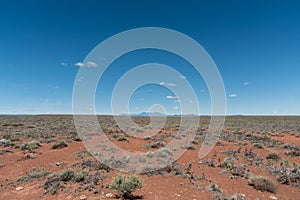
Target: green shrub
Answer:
pixel 125 185
pixel 263 183
pixel 81 176
pixel 258 145
pixel 35 173
pixel 6 142
pixel 67 175
pixel 30 145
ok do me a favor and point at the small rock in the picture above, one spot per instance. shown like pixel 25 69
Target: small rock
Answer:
pixel 83 197
pixel 19 188
pixel 102 197
pixel 273 197
pixel 109 195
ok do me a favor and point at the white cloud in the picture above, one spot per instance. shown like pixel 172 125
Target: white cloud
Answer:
pixel 167 84
pixel 79 64
pixel 202 91
pixel 64 64
pixel 91 64
pixel 87 64
pixel 172 97
pixel 182 77
pixel 175 107
pixel 177 101
pixel 246 83
pixel 233 95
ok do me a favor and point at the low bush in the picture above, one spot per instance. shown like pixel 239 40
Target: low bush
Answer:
pixel 30 145
pixel 125 185
pixel 258 145
pixel 263 183
pixel 273 156
pixel 59 145
pixel 34 174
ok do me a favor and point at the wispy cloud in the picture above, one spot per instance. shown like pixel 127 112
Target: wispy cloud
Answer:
pixel 202 91
pixel 79 64
pixel 167 84
pixel 175 108
pixel 91 64
pixel 80 78
pixel 233 95
pixel 177 101
pixel 64 64
pixel 182 77
pixel 246 83
pixel 87 64
pixel 172 97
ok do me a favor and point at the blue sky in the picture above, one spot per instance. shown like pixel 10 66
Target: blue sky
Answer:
pixel 255 44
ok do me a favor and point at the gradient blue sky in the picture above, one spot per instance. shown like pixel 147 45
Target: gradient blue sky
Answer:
pixel 255 44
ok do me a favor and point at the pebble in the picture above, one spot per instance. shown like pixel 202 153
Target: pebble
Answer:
pixel 109 195
pixel 273 197
pixel 83 197
pixel 19 188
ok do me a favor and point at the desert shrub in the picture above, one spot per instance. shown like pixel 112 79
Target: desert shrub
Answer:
pixel 228 163
pixel 286 163
pixel 263 183
pixel 34 174
pixel 30 145
pixel 54 182
pixel 6 142
pixel 125 185
pixel 154 145
pixel 273 156
pixel 6 136
pixel 189 146
pixel 123 139
pixel 294 151
pixel 210 163
pixel 67 175
pixel 4 151
pixel 287 175
pixel 59 145
pixel 75 138
pixel 258 145
pixel 93 164
pixel 147 138
pixel 80 176
pixel 214 187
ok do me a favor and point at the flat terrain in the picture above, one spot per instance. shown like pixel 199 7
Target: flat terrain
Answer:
pixel 36 151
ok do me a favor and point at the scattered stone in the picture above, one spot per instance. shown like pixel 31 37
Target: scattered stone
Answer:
pixel 83 197
pixel 273 197
pixel 109 195
pixel 102 197
pixel 19 188
pixel 2 165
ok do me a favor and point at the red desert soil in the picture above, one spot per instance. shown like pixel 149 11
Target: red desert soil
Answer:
pixel 160 187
